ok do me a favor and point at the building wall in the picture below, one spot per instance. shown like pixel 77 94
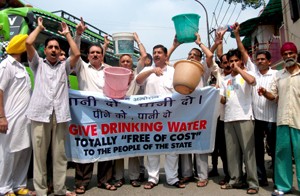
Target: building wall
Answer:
pixel 291 28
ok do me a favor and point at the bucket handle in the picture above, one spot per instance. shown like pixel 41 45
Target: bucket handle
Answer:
pixel 194 27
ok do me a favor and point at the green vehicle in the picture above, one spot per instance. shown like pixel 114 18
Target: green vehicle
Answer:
pixel 23 20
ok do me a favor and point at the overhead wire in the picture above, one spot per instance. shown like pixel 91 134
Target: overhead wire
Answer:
pixel 225 14
pixel 214 13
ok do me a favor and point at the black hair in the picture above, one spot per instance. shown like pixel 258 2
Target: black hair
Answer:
pixel 90 46
pixel 221 57
pixel 51 39
pixel 197 49
pixel 149 56
pixel 234 52
pixel 165 50
pixel 265 52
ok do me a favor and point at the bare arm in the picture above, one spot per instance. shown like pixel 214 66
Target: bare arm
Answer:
pixel 3 120
pixel 173 48
pixel 143 53
pixel 263 92
pixel 140 79
pixel 223 100
pixel 105 45
pixel 75 53
pixel 218 42
pixel 206 51
pixel 236 31
pixel 32 37
pixel 247 77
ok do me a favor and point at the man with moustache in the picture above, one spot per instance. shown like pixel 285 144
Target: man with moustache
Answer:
pixel 158 80
pixel 285 88
pixel 48 109
pixel 220 145
pixel 200 160
pixel 239 126
pixel 90 78
pixel 263 109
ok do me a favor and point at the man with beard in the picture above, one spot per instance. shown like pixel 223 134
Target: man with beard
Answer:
pixel 48 109
pixel 285 88
pixel 264 110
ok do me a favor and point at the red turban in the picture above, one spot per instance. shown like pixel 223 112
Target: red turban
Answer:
pixel 288 46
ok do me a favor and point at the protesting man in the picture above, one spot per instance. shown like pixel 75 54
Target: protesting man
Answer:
pixel 15 142
pixel 49 108
pixel 285 88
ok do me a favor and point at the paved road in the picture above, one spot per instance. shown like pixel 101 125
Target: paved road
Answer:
pixel 212 189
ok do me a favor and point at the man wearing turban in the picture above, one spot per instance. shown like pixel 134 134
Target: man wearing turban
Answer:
pixel 285 87
pixel 15 142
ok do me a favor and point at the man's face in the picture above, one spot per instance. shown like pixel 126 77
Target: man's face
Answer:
pixel 95 56
pixel 194 55
pixel 126 62
pixel 235 61
pixel 225 65
pixel 62 55
pixel 52 51
pixel 262 62
pixel 289 57
pixel 159 56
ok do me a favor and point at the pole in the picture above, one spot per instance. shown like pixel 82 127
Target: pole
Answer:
pixel 207 25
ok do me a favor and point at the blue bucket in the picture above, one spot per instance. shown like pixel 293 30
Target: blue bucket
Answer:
pixel 186 25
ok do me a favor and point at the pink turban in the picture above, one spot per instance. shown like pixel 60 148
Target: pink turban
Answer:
pixel 288 46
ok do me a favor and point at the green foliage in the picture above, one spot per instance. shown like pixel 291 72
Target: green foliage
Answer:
pixel 248 3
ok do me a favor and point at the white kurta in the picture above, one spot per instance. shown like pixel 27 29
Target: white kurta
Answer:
pixel 15 83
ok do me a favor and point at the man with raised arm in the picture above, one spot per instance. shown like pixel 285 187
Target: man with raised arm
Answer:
pixel 91 78
pixel 49 107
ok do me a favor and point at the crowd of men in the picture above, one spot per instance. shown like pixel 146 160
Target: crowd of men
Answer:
pixel 257 101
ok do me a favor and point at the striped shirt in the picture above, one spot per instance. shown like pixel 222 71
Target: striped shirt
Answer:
pixel 50 90
pixel 263 109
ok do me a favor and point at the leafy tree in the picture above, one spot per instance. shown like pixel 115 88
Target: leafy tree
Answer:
pixel 248 3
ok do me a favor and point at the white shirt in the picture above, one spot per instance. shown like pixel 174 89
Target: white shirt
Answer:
pixel 15 83
pixel 90 78
pixel 50 90
pixel 159 85
pixel 238 98
pixel 263 109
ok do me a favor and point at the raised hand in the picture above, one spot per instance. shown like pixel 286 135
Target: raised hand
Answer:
pixel 40 24
pixel 65 29
pixel 80 27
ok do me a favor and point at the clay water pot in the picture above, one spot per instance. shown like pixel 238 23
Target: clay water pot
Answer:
pixel 187 76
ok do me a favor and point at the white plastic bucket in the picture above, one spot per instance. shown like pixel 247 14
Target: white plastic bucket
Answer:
pixel 124 43
pixel 116 82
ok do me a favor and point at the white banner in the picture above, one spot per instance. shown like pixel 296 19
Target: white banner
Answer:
pixel 104 129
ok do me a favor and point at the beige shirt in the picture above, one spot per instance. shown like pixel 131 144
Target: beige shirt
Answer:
pixel 287 87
